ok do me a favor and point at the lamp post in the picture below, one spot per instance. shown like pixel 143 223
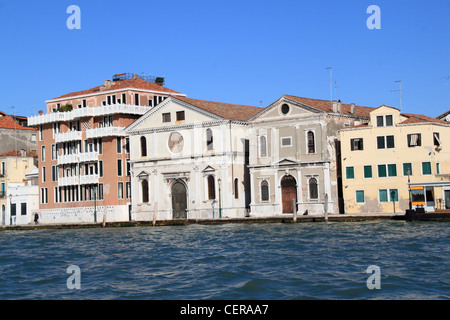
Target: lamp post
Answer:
pixel 219 182
pixel 408 171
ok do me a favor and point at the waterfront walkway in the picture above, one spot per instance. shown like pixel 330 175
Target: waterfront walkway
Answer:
pixel 288 218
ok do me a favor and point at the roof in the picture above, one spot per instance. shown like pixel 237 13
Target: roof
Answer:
pixel 419 118
pixel 136 83
pixel 224 110
pixel 327 106
pixel 7 122
pixel 18 153
pixel 445 114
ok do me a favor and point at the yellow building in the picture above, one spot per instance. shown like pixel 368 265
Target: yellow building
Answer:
pixel 380 158
pixel 14 166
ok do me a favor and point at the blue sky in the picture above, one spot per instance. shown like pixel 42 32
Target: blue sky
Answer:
pixel 245 52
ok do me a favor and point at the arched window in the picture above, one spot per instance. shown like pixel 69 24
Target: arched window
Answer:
pixel 311 143
pixel 211 188
pixel 264 191
pixel 143 147
pixel 144 188
pixel 313 191
pixel 262 146
pixel 209 139
pixel 236 188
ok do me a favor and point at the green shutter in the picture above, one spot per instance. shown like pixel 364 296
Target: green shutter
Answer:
pixel 390 142
pixel 426 167
pixel 407 166
pixel 350 173
pixel 393 193
pixel 359 196
pixel 383 194
pixel 392 170
pixel 367 171
pixel 382 171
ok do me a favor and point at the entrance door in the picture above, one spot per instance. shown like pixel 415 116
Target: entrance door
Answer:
pixel 288 192
pixel 429 197
pixel 447 199
pixel 179 201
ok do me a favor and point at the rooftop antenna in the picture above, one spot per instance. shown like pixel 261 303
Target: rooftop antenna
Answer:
pixel 331 82
pixel 335 90
pixel 15 130
pixel 260 103
pixel 400 90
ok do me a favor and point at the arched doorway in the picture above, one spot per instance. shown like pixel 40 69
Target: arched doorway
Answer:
pixel 288 192
pixel 179 200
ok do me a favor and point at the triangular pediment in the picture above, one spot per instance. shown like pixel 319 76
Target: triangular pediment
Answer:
pixel 143 175
pixel 286 162
pixel 208 169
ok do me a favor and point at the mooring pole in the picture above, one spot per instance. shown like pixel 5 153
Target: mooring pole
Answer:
pixel 294 209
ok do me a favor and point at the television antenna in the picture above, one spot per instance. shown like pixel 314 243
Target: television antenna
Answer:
pixel 400 90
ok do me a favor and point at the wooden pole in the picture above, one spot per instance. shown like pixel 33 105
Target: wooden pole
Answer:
pixel 294 207
pixel 154 214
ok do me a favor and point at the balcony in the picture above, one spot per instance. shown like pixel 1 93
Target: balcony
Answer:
pixel 87 112
pixel 68 158
pixel 89 157
pixel 68 181
pixel 89 179
pixel 105 132
pixel 68 136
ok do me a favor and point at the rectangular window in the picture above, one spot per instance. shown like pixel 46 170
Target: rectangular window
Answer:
pixel 389 120
pixel 124 98
pixel 100 191
pixel 84 103
pixel 114 99
pixel 349 172
pixel 44 195
pixel 383 195
pixel 180 115
pixel 356 144
pixel 381 143
pixel 380 121
pixel 390 142
pixel 286 141
pixel 41 133
pixel 54 173
pixel 382 172
pixel 166 117
pixel 119 167
pixel 386 120
pixel 436 140
pixel 120 190
pixel 128 190
pixel 43 174
pixel 406 167
pixel 384 142
pixel 392 170
pixel 3 169
pixel 13 209
pixel 414 140
pixel 127 145
pixel 393 195
pixel 136 99
pixel 367 172
pixel 56 194
pixel 150 103
pixel 426 168
pixel 43 153
pixel 23 208
pixel 108 99
pixel 128 172
pixel 100 167
pixel 359 196
pixel 438 168
pixel 119 145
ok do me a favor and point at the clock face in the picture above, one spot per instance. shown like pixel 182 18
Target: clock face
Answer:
pixel 176 142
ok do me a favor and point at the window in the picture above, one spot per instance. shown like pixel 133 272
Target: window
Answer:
pixel 43 174
pixel 359 196
pixel 286 141
pixel 33 138
pixel 124 98
pixel 120 190
pixel 406 167
pixel 2 169
pixel 54 173
pixel 54 152
pixel 119 167
pixel 356 144
pixel 127 145
pixel 382 172
pixel 143 147
pixel 414 140
pixel 262 146
pixel 349 172
pixel 264 191
pixel 13 209
pixel 136 99
pixel 128 190
pixel 100 192
pixel 393 195
pixel 438 168
pixel 119 144
pixel 384 142
pixel 436 140
pixel 44 195
pixel 389 170
pixel 392 170
pixel 385 121
pixel 285 109
pixel 211 188
pixel 100 166
pixel 128 172
pixel 426 168
pixel 41 133
pixel 144 188
pixel 180 115
pixel 313 189
pixel 166 117
pixel 84 103
pixel 383 195
pixel 311 142
pixel 23 209
pixel 43 153
pixel 367 172
pixel 236 188
pixel 209 140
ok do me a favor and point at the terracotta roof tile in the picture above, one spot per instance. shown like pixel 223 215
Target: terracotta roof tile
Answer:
pixel 8 122
pixel 224 110
pixel 419 118
pixel 326 105
pixel 137 83
pixel 18 153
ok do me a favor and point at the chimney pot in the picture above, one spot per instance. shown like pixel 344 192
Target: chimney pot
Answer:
pixel 334 106
pixel 339 106
pixel 352 108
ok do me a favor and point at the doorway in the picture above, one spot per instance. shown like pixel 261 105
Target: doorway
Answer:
pixel 179 200
pixel 288 192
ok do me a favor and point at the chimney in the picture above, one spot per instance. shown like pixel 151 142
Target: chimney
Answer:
pixel 339 106
pixel 334 106
pixel 135 76
pixel 41 112
pixel 107 84
pixel 352 108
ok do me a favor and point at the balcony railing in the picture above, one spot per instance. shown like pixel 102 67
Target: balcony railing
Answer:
pixel 68 136
pixel 105 132
pixel 68 181
pixel 89 179
pixel 68 158
pixel 87 112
